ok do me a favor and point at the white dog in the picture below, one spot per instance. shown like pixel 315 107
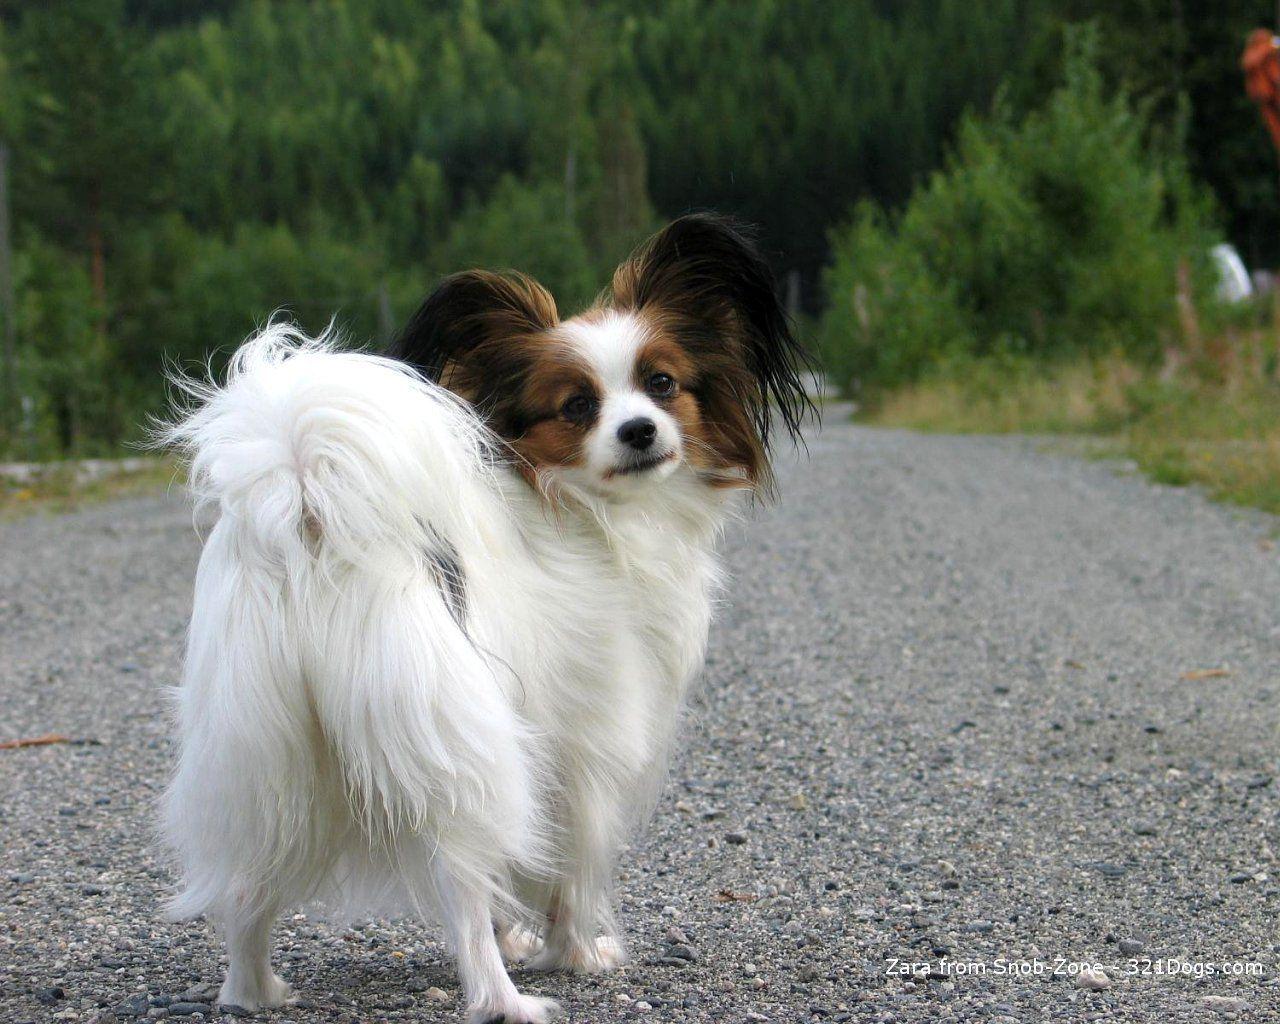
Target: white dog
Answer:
pixel 454 601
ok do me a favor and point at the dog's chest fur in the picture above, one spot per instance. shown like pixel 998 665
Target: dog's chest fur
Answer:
pixel 610 626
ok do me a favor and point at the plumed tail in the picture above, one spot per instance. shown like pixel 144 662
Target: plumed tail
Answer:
pixel 303 440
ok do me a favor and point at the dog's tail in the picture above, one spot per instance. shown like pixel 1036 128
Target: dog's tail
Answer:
pixel 333 686
pixel 303 440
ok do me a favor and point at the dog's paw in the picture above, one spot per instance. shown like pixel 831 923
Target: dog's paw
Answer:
pixel 276 992
pixel 518 944
pixel 525 1010
pixel 578 958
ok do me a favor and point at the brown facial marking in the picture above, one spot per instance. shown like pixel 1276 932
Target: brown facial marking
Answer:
pixel 535 421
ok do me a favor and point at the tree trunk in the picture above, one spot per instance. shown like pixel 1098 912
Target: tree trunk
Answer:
pixel 97 258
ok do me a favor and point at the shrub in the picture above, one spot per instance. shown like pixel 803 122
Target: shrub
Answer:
pixel 1057 234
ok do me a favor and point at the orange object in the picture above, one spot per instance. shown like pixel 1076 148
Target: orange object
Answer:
pixel 1261 64
pixel 35 741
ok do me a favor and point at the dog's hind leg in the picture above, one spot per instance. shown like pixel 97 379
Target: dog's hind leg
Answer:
pixel 250 982
pixel 492 997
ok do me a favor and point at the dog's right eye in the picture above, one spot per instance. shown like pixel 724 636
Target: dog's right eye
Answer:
pixel 578 408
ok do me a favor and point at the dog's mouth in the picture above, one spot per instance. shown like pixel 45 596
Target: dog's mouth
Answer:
pixel 641 465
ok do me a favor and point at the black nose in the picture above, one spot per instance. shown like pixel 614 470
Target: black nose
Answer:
pixel 638 433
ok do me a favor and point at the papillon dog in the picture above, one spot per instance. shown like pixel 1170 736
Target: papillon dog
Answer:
pixel 452 599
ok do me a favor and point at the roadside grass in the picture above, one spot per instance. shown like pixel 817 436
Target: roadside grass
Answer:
pixel 1214 422
pixel 62 487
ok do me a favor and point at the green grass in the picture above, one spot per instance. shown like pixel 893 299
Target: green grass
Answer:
pixel 1218 430
pixel 57 489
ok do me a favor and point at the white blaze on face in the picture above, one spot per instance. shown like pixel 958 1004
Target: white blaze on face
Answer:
pixel 611 346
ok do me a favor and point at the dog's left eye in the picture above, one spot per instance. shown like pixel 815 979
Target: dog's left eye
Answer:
pixel 661 384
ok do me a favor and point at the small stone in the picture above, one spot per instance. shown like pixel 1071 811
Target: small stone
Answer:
pixel 684 807
pixel 1144 828
pixel 158 1012
pixel 134 1006
pixel 1092 980
pixel 947 869
pixel 1224 1004
pixel 49 996
pixel 979 927
pixel 437 995
pixel 186 1009
pixel 1240 877
pixel 683 951
pixel 641 1004
pixel 1130 946
pixel 232 1010
pixel 735 838
pixel 1107 870
pixel 92 890
pixel 758 983
pixel 798 802
pixel 748 970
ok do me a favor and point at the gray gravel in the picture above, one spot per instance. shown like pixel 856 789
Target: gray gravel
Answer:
pixel 947 718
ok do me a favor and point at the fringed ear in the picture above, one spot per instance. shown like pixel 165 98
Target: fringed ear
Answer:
pixel 467 335
pixel 703 279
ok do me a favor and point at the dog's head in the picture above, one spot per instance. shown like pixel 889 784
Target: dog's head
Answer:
pixel 687 361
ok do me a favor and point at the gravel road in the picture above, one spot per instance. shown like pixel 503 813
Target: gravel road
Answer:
pixel 957 713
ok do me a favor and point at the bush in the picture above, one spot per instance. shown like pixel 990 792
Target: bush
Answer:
pixel 1055 235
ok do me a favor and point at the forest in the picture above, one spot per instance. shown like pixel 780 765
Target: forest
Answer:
pixel 177 171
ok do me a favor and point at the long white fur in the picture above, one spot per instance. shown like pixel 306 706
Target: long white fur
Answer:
pixel 347 735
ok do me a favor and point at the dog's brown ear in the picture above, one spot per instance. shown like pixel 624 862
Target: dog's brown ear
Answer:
pixel 467 334
pixel 703 280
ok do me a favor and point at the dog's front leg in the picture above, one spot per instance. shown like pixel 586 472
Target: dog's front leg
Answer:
pixel 250 982
pixel 581 935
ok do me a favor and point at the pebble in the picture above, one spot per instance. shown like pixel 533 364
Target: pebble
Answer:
pixel 1224 1004
pixel 134 1006
pixel 186 1009
pixel 1130 946
pixel 735 838
pixel 437 995
pixel 1092 980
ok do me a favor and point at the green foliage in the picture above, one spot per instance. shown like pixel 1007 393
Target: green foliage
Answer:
pixel 1053 234
pixel 180 170
pixel 530 227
